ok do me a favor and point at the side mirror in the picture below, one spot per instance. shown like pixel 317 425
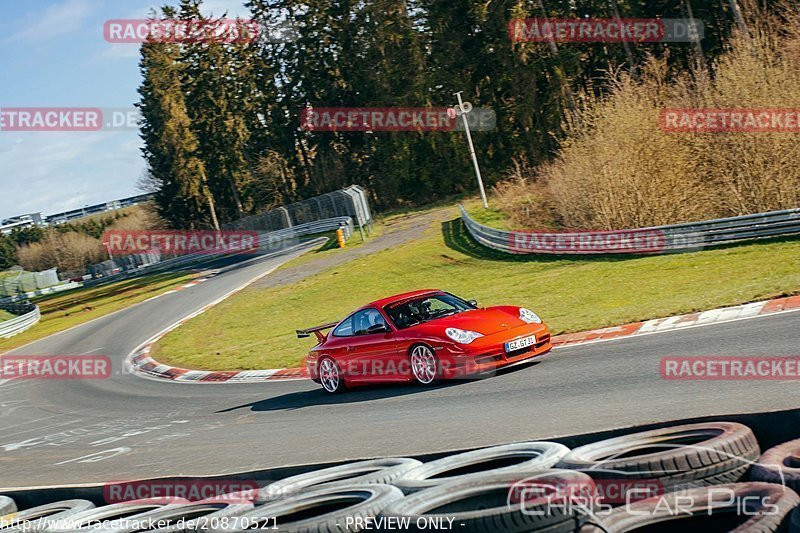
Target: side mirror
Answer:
pixel 377 328
pixel 473 303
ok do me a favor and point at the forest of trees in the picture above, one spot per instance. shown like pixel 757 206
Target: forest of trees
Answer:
pixel 221 120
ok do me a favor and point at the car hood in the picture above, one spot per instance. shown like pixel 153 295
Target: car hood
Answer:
pixel 484 321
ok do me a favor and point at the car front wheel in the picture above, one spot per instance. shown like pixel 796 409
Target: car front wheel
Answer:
pixel 330 377
pixel 424 365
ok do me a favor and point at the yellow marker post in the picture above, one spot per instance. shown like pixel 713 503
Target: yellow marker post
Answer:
pixel 340 237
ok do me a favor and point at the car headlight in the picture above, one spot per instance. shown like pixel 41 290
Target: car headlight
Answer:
pixel 462 336
pixel 526 315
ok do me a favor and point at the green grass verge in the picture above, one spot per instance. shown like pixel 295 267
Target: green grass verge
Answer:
pixel 5 315
pixel 64 310
pixel 492 217
pixel 329 248
pixel 255 328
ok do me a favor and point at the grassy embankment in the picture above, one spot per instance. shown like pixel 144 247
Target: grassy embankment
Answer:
pixel 255 328
pixel 61 311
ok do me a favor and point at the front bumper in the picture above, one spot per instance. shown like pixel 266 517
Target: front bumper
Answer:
pixel 487 353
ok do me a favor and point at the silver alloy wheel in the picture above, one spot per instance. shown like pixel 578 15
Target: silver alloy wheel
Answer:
pixel 423 364
pixel 329 375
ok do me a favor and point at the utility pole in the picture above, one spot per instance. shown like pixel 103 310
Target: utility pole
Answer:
pixel 462 109
pixel 108 249
pixel 737 16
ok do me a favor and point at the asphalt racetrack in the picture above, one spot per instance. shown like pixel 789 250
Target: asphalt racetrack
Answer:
pixel 127 427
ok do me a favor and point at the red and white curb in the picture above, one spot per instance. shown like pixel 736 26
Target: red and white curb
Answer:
pixel 658 325
pixel 184 286
pixel 142 363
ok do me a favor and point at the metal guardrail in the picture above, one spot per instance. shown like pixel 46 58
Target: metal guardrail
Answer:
pixel 350 202
pixel 686 237
pixel 30 316
pixel 267 242
pixel 309 228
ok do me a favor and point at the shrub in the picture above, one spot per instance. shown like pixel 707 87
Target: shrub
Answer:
pixel 69 252
pixel 618 169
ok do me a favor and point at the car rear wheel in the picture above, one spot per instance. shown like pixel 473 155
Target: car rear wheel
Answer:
pixel 330 377
pixel 424 365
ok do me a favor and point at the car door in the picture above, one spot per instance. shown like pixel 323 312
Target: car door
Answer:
pixel 338 343
pixel 372 356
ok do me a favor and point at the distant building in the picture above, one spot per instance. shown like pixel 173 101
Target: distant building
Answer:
pixel 67 216
pixel 21 221
pixel 36 219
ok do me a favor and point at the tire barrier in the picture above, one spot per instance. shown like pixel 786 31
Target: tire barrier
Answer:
pixel 529 486
pixel 7 506
pixel 485 503
pixel 85 521
pixel 691 455
pixel 339 508
pixel 710 510
pixel 199 516
pixel 792 523
pixel 508 458
pixel 780 464
pixel 372 471
pixel 37 518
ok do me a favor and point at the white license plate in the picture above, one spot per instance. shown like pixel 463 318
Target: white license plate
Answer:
pixel 518 344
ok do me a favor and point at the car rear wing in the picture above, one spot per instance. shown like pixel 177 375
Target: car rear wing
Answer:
pixel 317 330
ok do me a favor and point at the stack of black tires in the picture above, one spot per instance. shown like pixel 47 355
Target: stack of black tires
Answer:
pixel 696 477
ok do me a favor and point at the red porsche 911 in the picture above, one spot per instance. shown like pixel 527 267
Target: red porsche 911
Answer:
pixel 422 336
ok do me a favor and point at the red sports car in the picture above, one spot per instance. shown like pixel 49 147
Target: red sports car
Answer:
pixel 422 336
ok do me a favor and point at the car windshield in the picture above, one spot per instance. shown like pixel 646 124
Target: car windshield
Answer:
pixel 408 313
